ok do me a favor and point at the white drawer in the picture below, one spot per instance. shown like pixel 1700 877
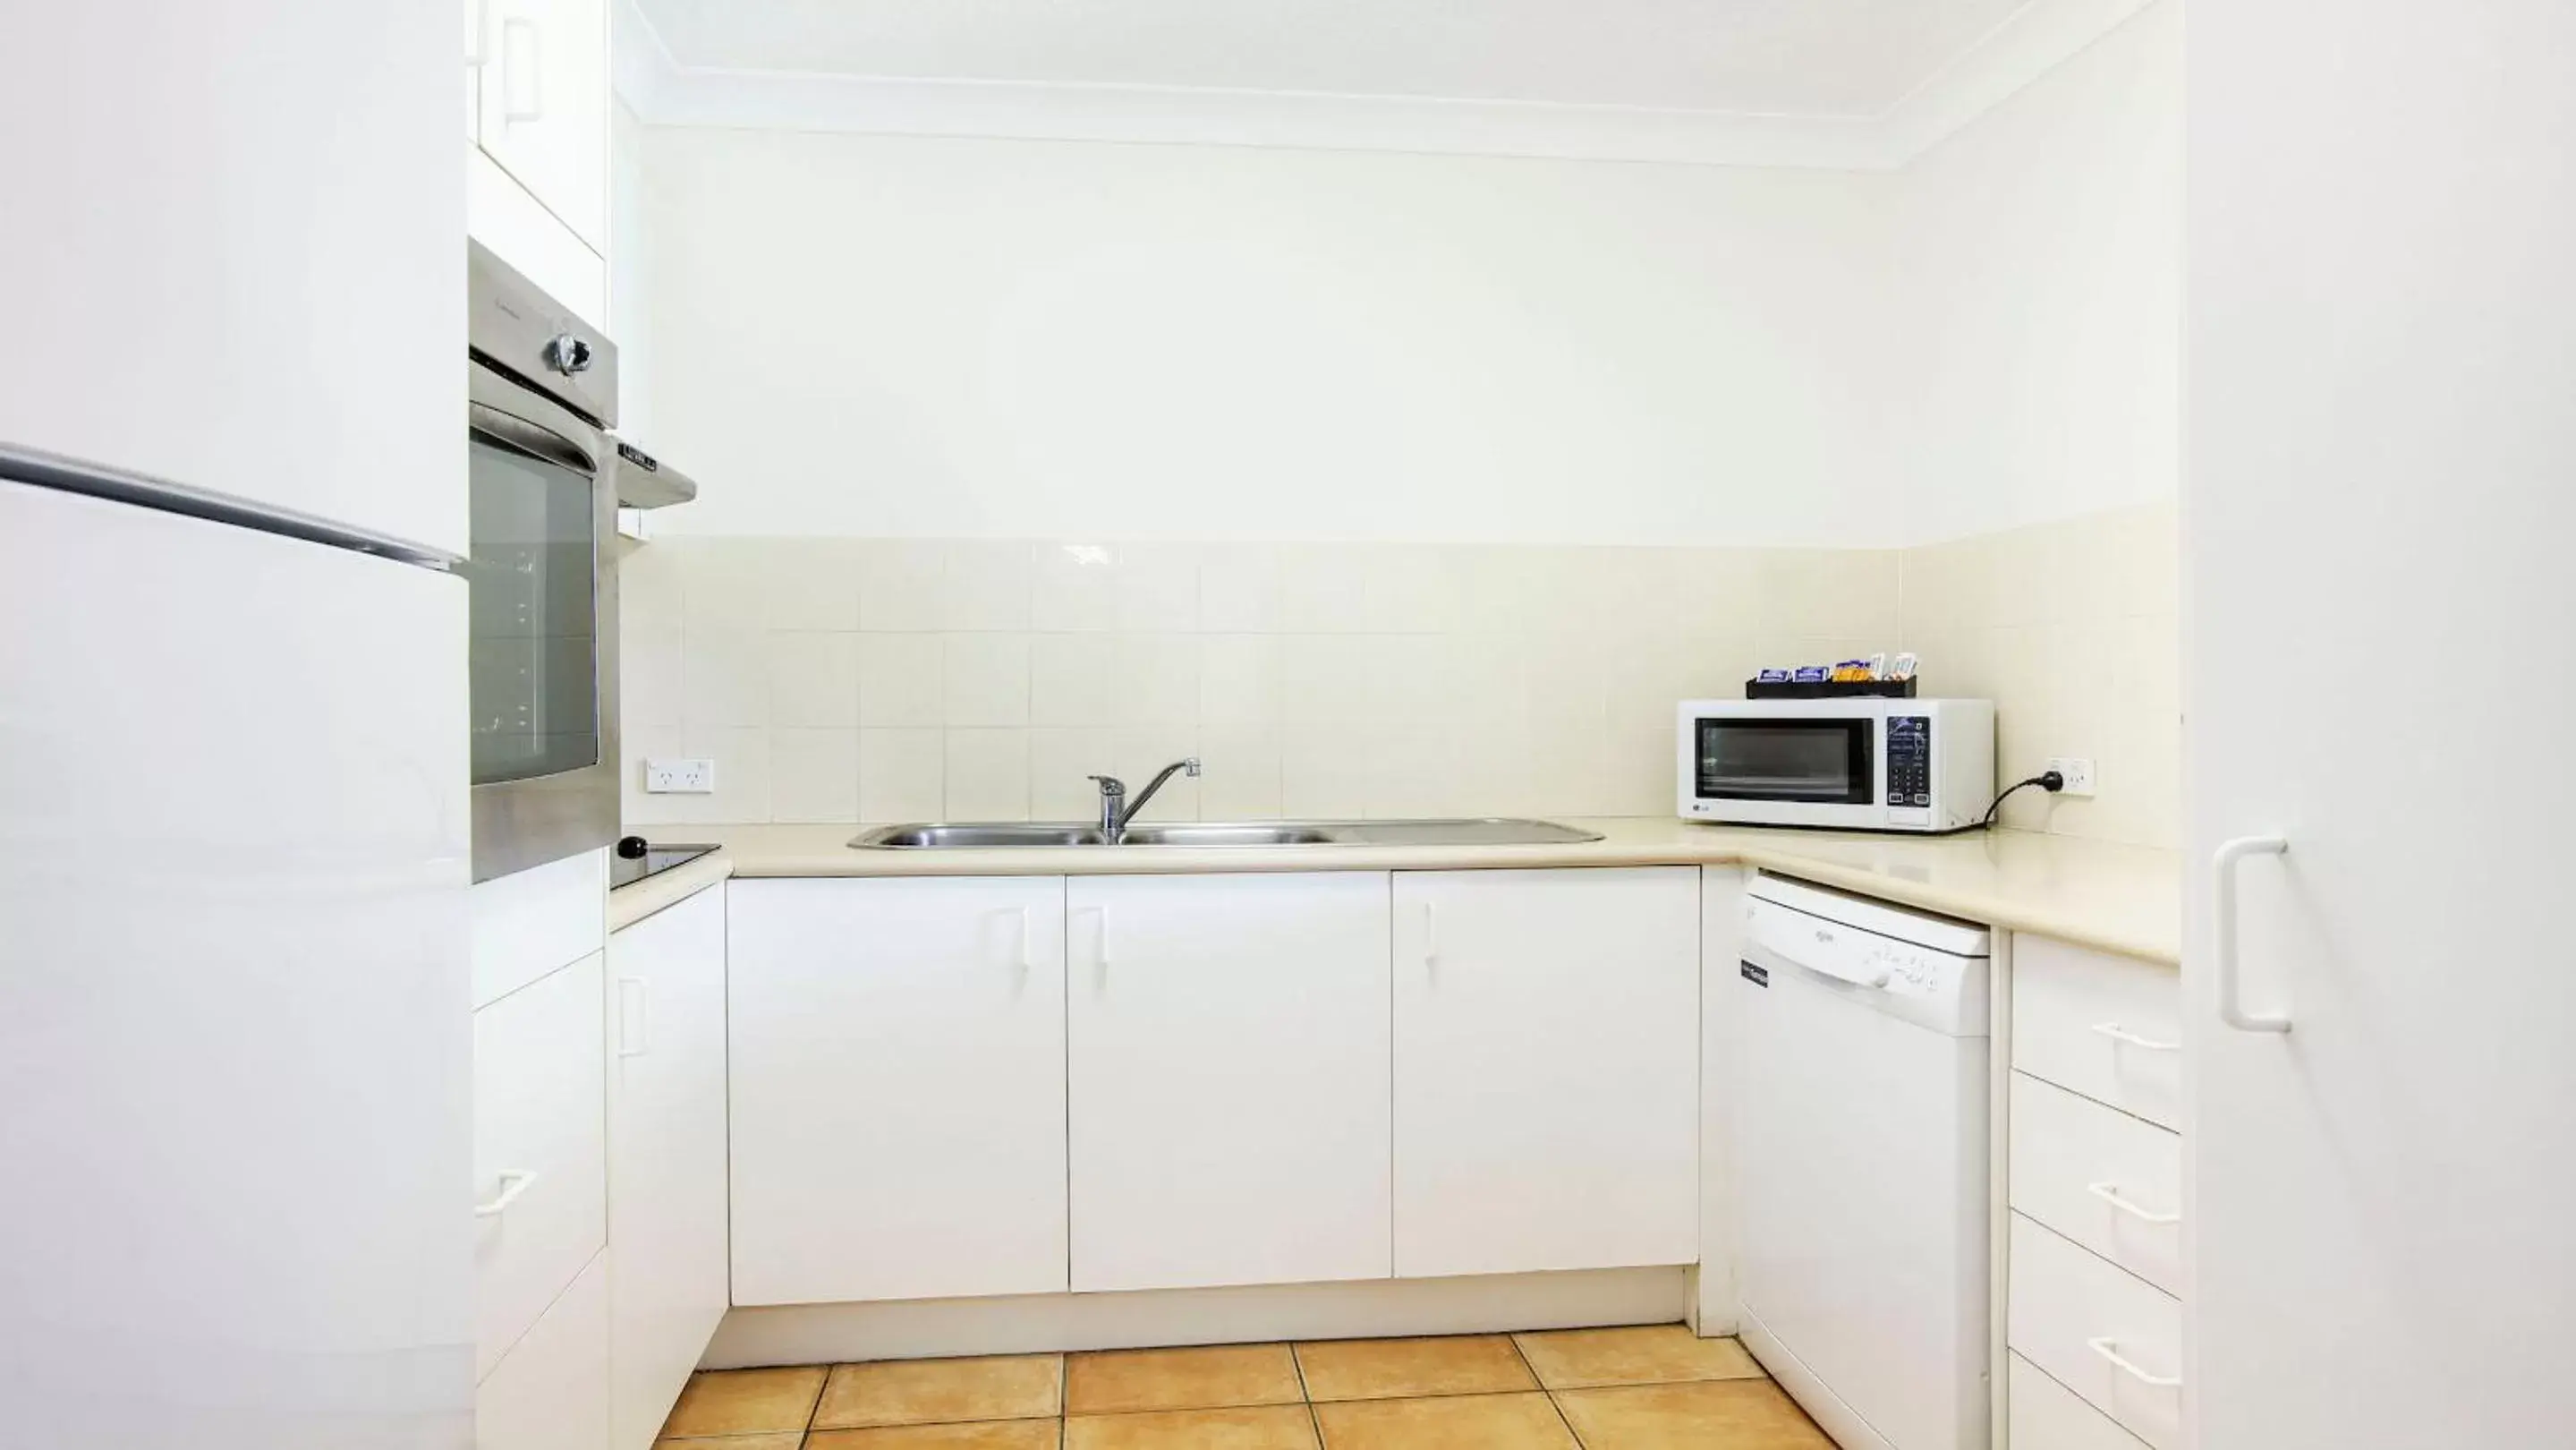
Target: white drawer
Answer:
pixel 2104 1026
pixel 529 923
pixel 2045 1415
pixel 550 1392
pixel 2110 1182
pixel 540 1155
pixel 2071 1314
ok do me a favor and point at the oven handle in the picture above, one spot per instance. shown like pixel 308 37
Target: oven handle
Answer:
pixel 518 435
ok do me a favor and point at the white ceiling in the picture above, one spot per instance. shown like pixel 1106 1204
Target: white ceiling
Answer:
pixel 1812 58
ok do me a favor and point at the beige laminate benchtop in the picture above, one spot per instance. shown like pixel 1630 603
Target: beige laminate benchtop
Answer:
pixel 2125 899
pixel 630 904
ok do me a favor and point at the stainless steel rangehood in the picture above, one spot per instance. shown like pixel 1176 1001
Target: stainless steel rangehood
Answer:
pixel 646 482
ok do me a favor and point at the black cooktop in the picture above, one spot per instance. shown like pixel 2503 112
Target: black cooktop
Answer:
pixel 636 858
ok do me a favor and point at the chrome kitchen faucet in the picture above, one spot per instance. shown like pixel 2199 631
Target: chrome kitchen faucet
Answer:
pixel 1116 812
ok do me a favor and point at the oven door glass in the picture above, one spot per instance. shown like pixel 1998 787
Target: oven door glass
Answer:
pixel 533 653
pixel 1822 762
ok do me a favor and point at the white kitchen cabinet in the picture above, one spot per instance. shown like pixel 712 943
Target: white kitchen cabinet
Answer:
pixel 668 1280
pixel 232 223
pixel 542 96
pixel 898 1088
pixel 540 1171
pixel 504 216
pixel 551 1392
pixel 2105 1026
pixel 2106 1180
pixel 1546 1069
pixel 2107 1335
pixel 1229 1055
pixel 2045 1415
pixel 2379 304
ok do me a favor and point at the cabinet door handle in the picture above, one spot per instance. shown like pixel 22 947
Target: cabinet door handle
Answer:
pixel 511 111
pixel 1099 937
pixel 474 55
pixel 2124 1036
pixel 1430 933
pixel 2109 1349
pixel 513 1183
pixel 634 1017
pixel 2231 1009
pixel 2110 1193
pixel 1018 958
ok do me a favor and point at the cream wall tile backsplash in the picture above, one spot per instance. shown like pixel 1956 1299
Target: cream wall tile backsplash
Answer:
pixel 2071 627
pixel 846 680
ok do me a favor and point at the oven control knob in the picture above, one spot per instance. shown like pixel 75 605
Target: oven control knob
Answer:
pixel 567 354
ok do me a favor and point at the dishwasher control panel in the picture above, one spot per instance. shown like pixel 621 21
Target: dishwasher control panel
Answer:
pixel 1938 979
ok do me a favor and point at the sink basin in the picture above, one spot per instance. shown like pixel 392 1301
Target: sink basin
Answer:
pixel 985 836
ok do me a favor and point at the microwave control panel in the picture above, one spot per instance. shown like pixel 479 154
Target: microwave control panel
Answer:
pixel 1909 760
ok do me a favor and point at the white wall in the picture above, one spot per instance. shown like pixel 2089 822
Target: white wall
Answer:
pixel 1132 357
pixel 960 338
pixel 2038 261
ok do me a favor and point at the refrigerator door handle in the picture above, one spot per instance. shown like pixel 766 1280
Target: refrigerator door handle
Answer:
pixel 2231 1008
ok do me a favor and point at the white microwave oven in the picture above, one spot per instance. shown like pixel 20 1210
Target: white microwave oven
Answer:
pixel 1855 763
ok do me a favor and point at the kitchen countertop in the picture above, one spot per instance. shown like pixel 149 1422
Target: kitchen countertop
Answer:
pixel 2125 899
pixel 630 904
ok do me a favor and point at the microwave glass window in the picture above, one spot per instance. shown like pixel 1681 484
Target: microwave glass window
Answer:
pixel 533 638
pixel 1824 761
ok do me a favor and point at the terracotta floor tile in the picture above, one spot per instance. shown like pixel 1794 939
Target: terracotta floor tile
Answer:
pixel 986 1435
pixel 1645 1355
pixel 1268 1427
pixel 1216 1376
pixel 1720 1415
pixel 938 1391
pixel 782 1440
pixel 1392 1369
pixel 745 1401
pixel 1452 1422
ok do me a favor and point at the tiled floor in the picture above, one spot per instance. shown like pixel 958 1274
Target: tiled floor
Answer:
pixel 1644 1388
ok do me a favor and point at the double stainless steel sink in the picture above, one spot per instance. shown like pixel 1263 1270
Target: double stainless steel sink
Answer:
pixel 985 836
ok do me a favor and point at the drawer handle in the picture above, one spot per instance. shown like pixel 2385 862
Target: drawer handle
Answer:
pixel 2120 1034
pixel 513 1183
pixel 2109 1349
pixel 2110 1193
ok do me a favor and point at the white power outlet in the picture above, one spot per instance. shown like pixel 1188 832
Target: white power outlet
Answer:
pixel 2078 772
pixel 679 777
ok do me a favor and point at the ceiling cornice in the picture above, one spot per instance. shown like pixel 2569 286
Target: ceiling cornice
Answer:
pixel 2036 39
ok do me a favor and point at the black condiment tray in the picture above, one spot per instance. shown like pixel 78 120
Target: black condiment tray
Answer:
pixel 1828 689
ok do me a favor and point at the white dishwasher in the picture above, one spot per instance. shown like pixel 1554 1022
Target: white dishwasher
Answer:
pixel 1861 1123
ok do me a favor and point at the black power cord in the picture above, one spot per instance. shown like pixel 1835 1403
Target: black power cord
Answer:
pixel 2047 780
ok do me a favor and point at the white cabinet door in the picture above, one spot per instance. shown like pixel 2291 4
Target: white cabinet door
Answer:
pixel 1229 1055
pixel 232 250
pixel 2376 598
pixel 545 106
pixel 540 1154
pixel 551 1392
pixel 898 1088
pixel 668 1276
pixel 1546 1069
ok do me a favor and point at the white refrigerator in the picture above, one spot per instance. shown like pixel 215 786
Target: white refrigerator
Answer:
pixel 2379 535
pixel 235 1044
pixel 235 1041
